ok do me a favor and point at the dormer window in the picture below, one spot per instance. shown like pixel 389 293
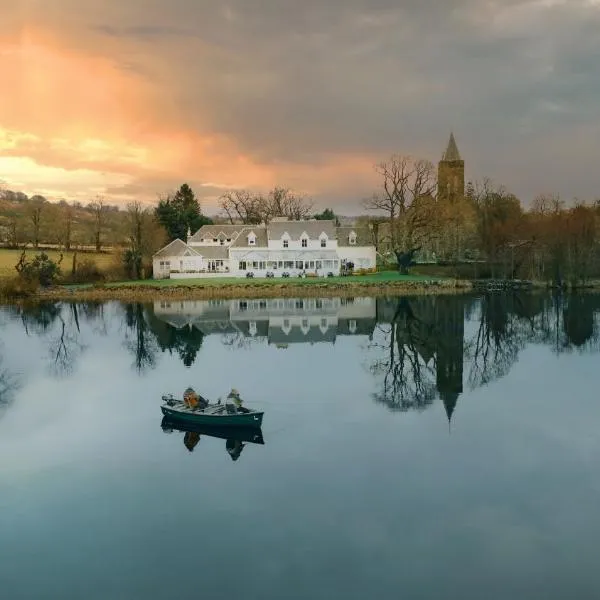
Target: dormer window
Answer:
pixel 286 244
pixel 222 241
pixel 323 242
pixel 251 239
pixel 215 240
pixel 352 238
pixel 304 243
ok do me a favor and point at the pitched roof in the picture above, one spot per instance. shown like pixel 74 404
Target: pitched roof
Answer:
pixel 176 248
pixel 261 237
pixel 295 229
pixel 296 335
pixel 211 232
pixel 363 236
pixel 212 251
pixel 452 154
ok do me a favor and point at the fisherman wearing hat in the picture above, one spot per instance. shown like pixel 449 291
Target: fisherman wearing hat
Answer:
pixel 234 396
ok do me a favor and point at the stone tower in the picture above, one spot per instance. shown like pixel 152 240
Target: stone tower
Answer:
pixel 451 173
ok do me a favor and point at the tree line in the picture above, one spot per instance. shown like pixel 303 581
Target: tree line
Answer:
pixel 487 226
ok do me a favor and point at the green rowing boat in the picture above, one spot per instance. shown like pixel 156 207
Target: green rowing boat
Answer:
pixel 222 415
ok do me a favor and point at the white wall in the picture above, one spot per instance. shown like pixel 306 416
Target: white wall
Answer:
pixel 312 244
pixel 263 255
pixel 363 257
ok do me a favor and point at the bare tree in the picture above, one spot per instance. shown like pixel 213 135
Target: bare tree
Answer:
pixel 254 208
pixel 283 202
pixel 34 210
pixel 144 236
pixel 406 198
pixel 99 209
pixel 66 225
pixel 242 205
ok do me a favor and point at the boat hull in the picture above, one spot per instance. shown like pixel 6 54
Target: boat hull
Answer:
pixel 249 419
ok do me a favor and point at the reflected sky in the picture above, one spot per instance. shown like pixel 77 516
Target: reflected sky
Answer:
pixel 358 491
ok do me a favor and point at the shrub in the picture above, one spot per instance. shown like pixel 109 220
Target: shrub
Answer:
pixel 86 271
pixel 17 287
pixel 41 270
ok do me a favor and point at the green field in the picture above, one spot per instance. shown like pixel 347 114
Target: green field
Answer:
pixel 381 277
pixel 9 258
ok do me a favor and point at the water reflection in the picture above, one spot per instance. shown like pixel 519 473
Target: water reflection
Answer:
pixel 236 437
pixel 418 349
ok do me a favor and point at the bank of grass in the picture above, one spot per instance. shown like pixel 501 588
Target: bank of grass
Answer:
pixel 9 258
pixel 383 283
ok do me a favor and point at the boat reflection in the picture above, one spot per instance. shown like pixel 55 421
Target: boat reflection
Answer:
pixel 236 437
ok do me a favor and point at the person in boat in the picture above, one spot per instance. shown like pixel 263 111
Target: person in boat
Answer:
pixel 234 448
pixel 194 400
pixel 234 402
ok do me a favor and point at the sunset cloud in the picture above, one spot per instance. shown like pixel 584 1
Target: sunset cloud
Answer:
pixel 132 98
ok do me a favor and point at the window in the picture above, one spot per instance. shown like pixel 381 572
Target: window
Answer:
pixel 222 241
pixel 243 305
pixel 286 323
pixel 286 243
pixel 352 239
pixel 323 243
pixel 280 264
pixel 288 264
pixel 311 264
pixel 304 323
pixel 323 322
pixel 215 240
pixel 255 264
pixel 228 240
pixel 252 328
pixel 318 264
pixel 299 264
pixel 304 243
pixel 319 303
pixel 352 326
pixel 242 265
pixel 300 304
pixel 251 241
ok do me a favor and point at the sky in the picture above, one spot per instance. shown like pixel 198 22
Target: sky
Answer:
pixel 131 99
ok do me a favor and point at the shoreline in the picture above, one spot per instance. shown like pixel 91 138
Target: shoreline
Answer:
pixel 248 290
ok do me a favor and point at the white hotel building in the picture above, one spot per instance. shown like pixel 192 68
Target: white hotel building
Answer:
pixel 282 246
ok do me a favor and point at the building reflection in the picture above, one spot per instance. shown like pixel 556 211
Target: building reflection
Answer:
pixel 279 321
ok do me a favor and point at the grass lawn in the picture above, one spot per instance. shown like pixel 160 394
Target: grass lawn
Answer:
pixel 381 277
pixel 9 258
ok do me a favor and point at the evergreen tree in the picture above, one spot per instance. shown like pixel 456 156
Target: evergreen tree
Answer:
pixel 180 212
pixel 327 215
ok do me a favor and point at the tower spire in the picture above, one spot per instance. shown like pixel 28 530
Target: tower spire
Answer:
pixel 452 154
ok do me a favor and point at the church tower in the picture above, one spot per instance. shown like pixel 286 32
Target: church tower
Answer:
pixel 451 173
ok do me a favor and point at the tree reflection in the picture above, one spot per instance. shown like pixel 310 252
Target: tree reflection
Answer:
pixel 64 344
pixel 422 347
pixel 59 325
pixel 139 338
pixel 405 364
pixel 186 341
pixel 9 384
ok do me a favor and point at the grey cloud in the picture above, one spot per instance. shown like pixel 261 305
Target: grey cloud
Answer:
pixel 295 82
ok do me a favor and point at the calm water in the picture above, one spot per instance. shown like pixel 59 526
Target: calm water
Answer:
pixel 418 448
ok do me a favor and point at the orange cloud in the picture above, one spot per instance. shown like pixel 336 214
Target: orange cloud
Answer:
pixel 82 118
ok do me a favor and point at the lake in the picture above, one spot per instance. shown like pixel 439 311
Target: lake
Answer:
pixel 419 447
